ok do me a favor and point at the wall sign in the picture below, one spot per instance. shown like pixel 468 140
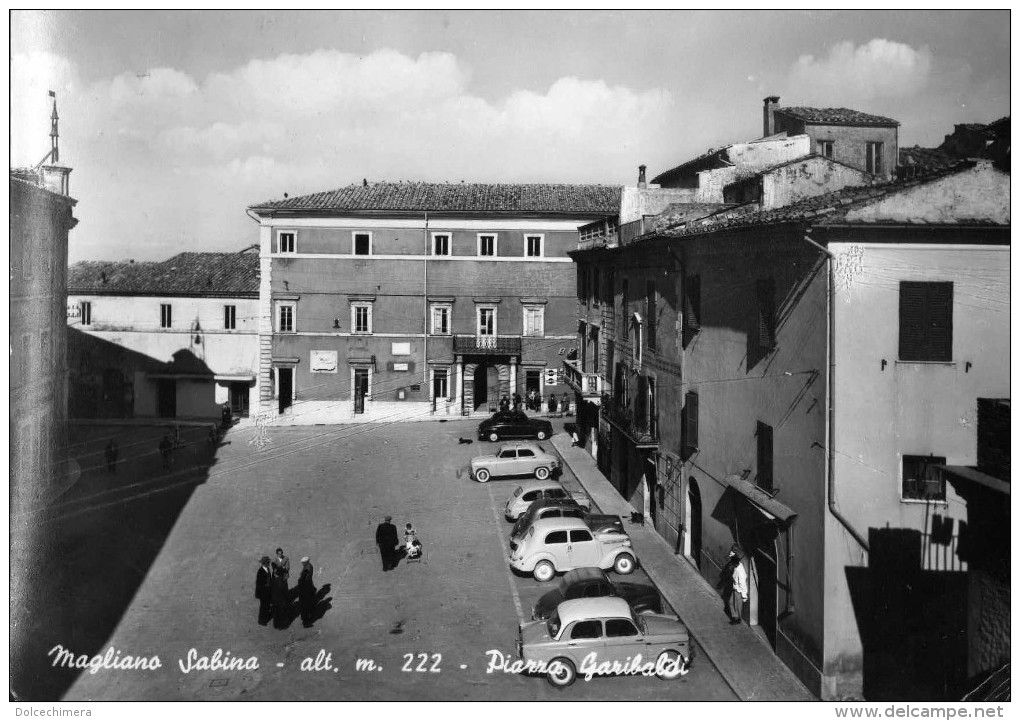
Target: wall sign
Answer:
pixel 401 349
pixel 323 361
pixel 400 366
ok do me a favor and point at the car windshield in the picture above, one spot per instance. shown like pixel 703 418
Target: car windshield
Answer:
pixel 554 624
pixel 638 621
pixel 519 491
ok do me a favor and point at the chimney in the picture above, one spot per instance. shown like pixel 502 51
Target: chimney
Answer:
pixel 769 125
pixel 641 183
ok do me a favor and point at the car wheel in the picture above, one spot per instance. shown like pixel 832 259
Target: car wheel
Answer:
pixel 561 672
pixel 541 435
pixel 624 564
pixel 482 475
pixel 545 571
pixel 671 665
pixel 541 473
pixel 494 436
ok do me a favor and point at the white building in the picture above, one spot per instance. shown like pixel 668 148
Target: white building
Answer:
pixel 174 339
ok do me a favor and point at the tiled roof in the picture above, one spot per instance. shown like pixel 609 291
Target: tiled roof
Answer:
pixel 459 197
pixel 836 116
pixel 926 159
pixel 810 209
pixel 678 213
pixel 218 274
pixel 712 156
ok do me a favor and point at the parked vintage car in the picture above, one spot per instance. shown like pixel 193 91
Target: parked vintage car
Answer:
pixel 595 583
pixel 554 545
pixel 530 491
pixel 513 424
pixel 603 636
pixel 517 458
pixel 559 508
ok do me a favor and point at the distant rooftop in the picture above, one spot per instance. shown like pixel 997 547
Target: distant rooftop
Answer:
pixel 215 274
pixel 836 116
pixel 556 199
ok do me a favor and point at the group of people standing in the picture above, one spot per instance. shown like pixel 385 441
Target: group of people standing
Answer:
pixel 535 401
pixel 390 547
pixel 272 589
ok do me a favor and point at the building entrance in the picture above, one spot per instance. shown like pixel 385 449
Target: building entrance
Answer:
pixel 286 376
pixel 166 397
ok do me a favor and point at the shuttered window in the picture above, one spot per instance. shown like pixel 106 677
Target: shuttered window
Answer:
pixel 650 312
pixel 690 423
pixel 926 321
pixel 692 302
pixel 764 479
pixel 766 298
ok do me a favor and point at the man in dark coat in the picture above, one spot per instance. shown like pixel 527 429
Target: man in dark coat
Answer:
pixel 264 590
pixel 306 593
pixel 386 539
pixel 281 601
pixel 281 564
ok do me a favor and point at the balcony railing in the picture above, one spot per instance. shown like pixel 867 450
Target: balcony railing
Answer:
pixel 644 432
pixel 589 385
pixel 487 345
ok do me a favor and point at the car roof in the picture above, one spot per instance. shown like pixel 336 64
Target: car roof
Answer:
pixel 559 523
pixel 520 444
pixel 553 503
pixel 582 609
pixel 536 485
pixel 588 573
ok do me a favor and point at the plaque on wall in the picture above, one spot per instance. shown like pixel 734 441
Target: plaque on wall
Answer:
pixel 323 361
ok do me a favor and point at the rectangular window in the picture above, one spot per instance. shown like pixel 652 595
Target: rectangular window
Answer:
pixel 230 317
pixel 362 244
pixel 440 244
pixel 582 283
pixel 361 318
pixel 650 312
pixel 689 432
pixel 825 148
pixel 86 313
pixel 285 318
pixel 765 292
pixel 288 243
pixel 441 320
pixel 486 245
pixel 596 290
pixel 486 321
pixel 534 321
pixel 165 316
pixel 440 383
pixel 873 158
pixel 764 479
pixel 533 246
pixel 692 303
pixel 926 321
pixel 922 481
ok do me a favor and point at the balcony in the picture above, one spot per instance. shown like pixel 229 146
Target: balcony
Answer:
pixel 487 345
pixel 643 432
pixel 589 385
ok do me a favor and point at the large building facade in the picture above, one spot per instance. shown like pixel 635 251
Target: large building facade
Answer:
pixel 408 300
pixel 791 380
pixel 170 339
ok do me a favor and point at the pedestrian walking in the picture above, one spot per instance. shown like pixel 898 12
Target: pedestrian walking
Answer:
pixel 306 593
pixel 226 415
pixel 281 601
pixel 565 405
pixel 264 590
pixel 517 401
pixel 552 403
pixel 738 593
pixel 281 564
pixel 111 456
pixel 504 404
pixel 531 399
pixel 165 449
pixel 386 539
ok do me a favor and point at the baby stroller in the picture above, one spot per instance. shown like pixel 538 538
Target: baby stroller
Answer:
pixel 412 547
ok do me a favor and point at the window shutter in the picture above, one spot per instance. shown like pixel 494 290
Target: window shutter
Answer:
pixel 692 302
pixel 764 456
pixel 690 421
pixel 926 321
pixel 912 312
pixel 940 321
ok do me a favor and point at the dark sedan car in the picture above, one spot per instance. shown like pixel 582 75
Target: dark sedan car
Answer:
pixel 559 507
pixel 513 424
pixel 594 583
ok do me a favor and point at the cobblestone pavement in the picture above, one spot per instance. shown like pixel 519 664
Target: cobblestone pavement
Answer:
pixel 320 491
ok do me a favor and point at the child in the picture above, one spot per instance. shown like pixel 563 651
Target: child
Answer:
pixel 410 538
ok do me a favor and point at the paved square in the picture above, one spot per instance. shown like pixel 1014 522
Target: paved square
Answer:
pixel 320 492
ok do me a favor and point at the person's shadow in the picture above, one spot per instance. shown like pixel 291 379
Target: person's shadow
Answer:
pixel 323 603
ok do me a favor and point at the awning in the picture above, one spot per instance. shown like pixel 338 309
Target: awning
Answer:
pixel 968 473
pixel 181 376
pixel 236 378
pixel 772 509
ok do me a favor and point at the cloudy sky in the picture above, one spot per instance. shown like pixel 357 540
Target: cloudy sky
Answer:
pixel 175 122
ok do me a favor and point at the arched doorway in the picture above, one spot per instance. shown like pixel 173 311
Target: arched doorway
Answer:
pixel 694 521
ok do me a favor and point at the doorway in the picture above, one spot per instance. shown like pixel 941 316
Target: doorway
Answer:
pixel 286 379
pixel 694 521
pixel 166 397
pixel 239 399
pixel 440 386
pixel 765 575
pixel 485 385
pixel 360 389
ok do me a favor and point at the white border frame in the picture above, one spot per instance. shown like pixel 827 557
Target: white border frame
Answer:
pixel 362 304
pixel 170 313
pixel 449 244
pixel 368 396
pixel 278 316
pixel 371 242
pixel 495 244
pixel 541 247
pixel 279 241
pixel 449 319
pixel 478 319
pixel 524 319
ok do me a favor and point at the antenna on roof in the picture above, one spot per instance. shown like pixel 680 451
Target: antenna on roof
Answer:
pixel 54 154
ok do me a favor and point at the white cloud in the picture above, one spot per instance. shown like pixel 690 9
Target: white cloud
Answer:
pixel 878 69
